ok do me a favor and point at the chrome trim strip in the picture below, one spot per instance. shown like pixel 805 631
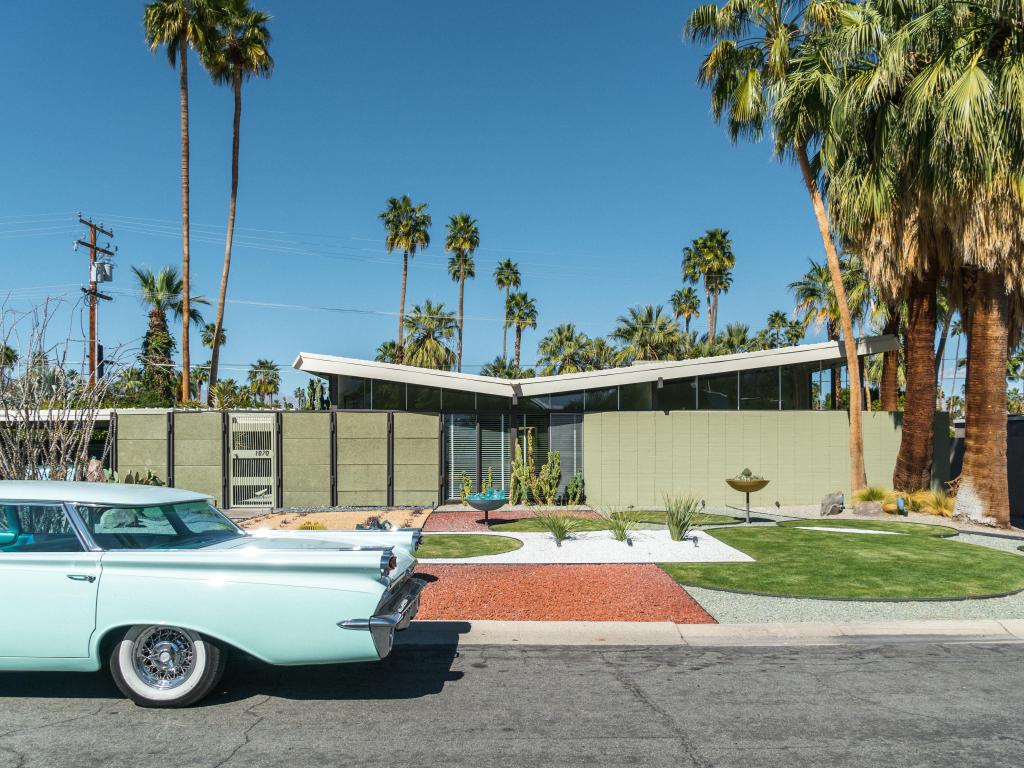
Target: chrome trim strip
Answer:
pixel 80 528
pixel 394 614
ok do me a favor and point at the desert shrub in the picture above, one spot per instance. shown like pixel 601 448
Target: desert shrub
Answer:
pixel 933 503
pixel 467 488
pixel 558 524
pixel 871 493
pixel 621 522
pixel 681 515
pixel 312 526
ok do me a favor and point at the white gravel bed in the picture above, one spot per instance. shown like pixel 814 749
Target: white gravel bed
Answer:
pixel 649 546
pixel 733 608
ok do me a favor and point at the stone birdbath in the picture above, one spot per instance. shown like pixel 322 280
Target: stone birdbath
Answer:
pixel 487 502
pixel 747 483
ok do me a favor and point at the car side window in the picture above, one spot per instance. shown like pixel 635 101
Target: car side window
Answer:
pixel 36 528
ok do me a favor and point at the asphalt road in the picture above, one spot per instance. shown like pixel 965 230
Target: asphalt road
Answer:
pixel 881 706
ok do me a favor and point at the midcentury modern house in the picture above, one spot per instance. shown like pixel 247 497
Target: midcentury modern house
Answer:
pixel 402 435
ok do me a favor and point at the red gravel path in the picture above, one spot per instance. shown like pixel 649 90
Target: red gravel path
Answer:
pixel 556 593
pixel 471 520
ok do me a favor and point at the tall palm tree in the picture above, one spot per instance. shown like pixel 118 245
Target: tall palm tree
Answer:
pixel 521 312
pixel 564 350
pixel 777 325
pixel 431 330
pixel 199 375
pixel 239 50
pixel 264 379
pixel 209 332
pixel 407 229
pixel 709 260
pixel 506 277
pixel 8 357
pixel 685 304
pixel 462 241
pixel 179 25
pixel 646 333
pixel 746 70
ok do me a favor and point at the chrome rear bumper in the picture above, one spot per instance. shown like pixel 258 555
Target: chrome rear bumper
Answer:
pixel 394 614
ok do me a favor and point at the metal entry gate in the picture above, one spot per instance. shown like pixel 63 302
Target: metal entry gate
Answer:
pixel 251 442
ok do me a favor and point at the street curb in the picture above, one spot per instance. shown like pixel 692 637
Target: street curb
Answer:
pixel 624 633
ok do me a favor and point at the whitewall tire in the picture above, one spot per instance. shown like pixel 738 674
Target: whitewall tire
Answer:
pixel 165 666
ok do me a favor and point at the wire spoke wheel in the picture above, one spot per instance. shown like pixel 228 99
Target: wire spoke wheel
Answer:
pixel 164 657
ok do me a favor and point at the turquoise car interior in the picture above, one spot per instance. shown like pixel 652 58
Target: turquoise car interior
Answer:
pixel 24 530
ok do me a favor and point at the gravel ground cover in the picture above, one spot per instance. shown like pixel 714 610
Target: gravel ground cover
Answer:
pixel 648 546
pixel 556 593
pixel 735 608
pixel 471 520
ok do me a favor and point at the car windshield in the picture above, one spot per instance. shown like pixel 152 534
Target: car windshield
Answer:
pixel 188 525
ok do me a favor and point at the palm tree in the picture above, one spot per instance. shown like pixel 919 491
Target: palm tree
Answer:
pixel 239 50
pixel 207 334
pixel 199 375
pixel 506 277
pixel 462 240
pixel 162 292
pixel 179 25
pixel 564 350
pixel 646 333
pixel 601 354
pixel 685 304
pixel 777 325
pixel 8 357
pixel 431 330
pixel 736 339
pixel 747 72
pixel 407 228
pixel 386 351
pixel 264 379
pixel 224 394
pixel 501 368
pixel 521 313
pixel 709 259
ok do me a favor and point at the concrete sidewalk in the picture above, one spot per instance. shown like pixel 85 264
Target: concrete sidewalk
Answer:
pixel 567 633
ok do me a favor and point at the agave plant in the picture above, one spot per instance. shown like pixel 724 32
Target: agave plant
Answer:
pixel 681 515
pixel 621 523
pixel 558 524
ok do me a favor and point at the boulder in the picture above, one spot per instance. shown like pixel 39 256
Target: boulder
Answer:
pixel 869 509
pixel 832 504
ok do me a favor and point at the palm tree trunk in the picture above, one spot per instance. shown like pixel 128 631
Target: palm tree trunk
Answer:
pixel 504 329
pixel 913 470
pixel 686 320
pixel 888 394
pixel 186 284
pixel 858 477
pixel 956 364
pixel 218 324
pixel 983 495
pixel 711 316
pixel 462 286
pixel 519 341
pixel 400 347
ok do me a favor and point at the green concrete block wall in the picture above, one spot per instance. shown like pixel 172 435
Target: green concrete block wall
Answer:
pixel 637 457
pixel 142 443
pixel 362 458
pixel 416 469
pixel 198 461
pixel 306 459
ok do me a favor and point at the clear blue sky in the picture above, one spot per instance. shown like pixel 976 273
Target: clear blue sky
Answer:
pixel 573 131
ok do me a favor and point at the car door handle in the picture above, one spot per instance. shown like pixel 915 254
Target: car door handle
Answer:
pixel 81 577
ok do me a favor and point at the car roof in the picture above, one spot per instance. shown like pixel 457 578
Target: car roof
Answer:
pixel 114 494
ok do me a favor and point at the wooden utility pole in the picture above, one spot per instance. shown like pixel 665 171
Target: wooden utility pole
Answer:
pixel 91 291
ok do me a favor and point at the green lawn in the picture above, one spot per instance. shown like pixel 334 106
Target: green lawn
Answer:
pixel 530 525
pixel 465 545
pixel 919 529
pixel 797 563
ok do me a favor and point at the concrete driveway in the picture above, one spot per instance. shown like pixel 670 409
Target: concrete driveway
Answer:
pixel 868 705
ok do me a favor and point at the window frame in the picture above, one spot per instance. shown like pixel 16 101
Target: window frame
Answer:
pixel 75 523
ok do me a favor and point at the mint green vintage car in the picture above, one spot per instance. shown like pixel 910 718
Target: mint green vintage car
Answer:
pixel 159 585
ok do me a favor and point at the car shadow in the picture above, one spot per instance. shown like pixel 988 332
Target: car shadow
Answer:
pixel 420 665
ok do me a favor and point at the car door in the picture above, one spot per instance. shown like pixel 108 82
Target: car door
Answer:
pixel 48 584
